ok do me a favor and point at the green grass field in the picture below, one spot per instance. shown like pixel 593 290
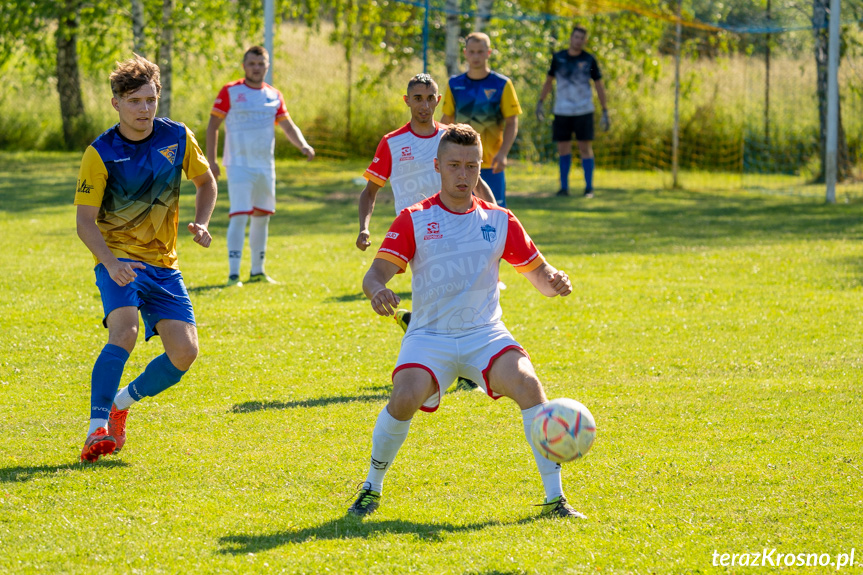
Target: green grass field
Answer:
pixel 716 337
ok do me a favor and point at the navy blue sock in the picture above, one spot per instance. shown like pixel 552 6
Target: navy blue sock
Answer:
pixel 159 375
pixel 564 162
pixel 587 164
pixel 106 379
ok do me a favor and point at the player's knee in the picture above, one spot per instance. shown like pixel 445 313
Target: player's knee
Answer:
pixel 183 356
pixel 124 336
pixel 406 398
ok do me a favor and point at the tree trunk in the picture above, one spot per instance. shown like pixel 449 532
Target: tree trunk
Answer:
pixel 453 31
pixel 138 25
pixel 822 38
pixel 166 47
pixel 68 78
pixel 483 14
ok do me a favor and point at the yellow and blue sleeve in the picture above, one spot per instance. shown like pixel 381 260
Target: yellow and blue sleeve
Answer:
pixel 509 105
pixel 194 162
pixel 92 179
pixel 448 102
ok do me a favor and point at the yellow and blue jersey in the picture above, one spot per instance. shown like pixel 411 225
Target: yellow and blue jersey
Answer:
pixel 136 186
pixel 484 104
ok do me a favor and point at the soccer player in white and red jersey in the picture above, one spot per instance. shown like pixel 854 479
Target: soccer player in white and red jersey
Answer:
pixel 453 242
pixel 406 156
pixel 250 109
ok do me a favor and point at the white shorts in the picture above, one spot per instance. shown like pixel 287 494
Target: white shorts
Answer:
pixel 251 189
pixel 447 358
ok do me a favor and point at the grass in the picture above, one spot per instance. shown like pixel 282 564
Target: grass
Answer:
pixel 714 334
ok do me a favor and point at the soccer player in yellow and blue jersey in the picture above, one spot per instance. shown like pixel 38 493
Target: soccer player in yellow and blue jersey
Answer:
pixel 127 202
pixel 487 101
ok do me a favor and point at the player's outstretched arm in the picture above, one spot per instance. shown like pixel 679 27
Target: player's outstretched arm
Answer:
pixel 205 203
pixel 213 145
pixel 295 136
pixel 384 300
pixel 483 192
pixel 549 281
pixel 123 273
pixel 367 206
pixel 510 130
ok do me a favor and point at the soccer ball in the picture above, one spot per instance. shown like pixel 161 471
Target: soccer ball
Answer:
pixel 563 430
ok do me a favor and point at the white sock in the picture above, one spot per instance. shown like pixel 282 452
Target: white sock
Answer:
pixel 123 400
pixel 96 424
pixel 258 231
pixel 549 471
pixel 387 438
pixel 236 240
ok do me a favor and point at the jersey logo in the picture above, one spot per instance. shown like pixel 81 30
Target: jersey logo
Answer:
pixel 392 235
pixel 84 187
pixel 406 154
pixel 488 233
pixel 489 93
pixel 241 97
pixel 433 232
pixel 169 152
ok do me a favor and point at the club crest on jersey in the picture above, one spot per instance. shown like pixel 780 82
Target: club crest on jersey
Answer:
pixel 406 154
pixel 433 232
pixel 490 93
pixel 241 97
pixel 488 233
pixel 169 152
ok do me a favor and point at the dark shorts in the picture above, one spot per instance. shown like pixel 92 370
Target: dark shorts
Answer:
pixel 158 292
pixel 564 126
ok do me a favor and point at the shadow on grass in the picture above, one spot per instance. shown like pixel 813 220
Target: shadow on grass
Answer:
pixel 349 527
pixel 404 295
pixel 27 472
pixel 250 406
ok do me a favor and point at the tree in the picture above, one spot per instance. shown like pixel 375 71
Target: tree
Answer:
pixel 68 77
pixel 453 31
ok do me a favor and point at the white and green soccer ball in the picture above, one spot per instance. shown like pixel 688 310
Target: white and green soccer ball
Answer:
pixel 563 430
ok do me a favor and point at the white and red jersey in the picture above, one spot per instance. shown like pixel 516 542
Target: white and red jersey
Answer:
pixel 454 261
pixel 251 115
pixel 407 161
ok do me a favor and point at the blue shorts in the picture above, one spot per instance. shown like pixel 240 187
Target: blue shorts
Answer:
pixel 158 292
pixel 497 183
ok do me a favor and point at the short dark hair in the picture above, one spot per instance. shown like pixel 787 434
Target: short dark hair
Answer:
pixel 461 135
pixel 578 28
pixel 257 51
pixel 424 79
pixel 133 73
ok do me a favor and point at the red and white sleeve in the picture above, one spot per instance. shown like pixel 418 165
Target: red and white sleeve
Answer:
pixel 519 249
pixel 222 105
pixel 382 164
pixel 399 245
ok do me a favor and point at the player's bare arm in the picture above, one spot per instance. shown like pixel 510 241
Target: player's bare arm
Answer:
pixel 510 130
pixel 550 281
pixel 546 90
pixel 213 145
pixel 446 119
pixel 205 202
pixel 123 273
pixel 295 136
pixel 367 206
pixel 483 192
pixel 384 300
pixel 604 122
